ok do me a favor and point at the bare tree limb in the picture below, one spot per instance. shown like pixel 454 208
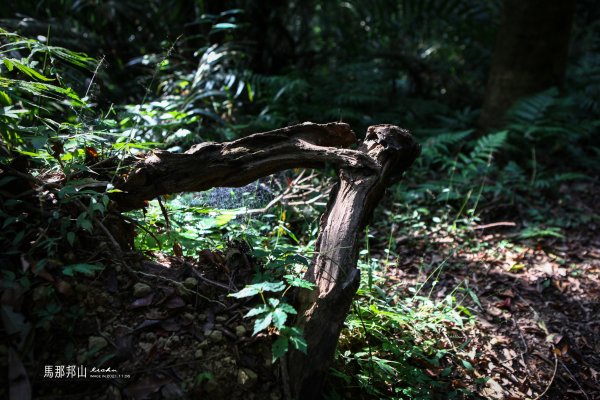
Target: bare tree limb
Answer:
pixel 240 162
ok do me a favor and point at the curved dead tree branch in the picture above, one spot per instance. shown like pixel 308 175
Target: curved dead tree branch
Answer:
pixel 364 174
pixel 240 162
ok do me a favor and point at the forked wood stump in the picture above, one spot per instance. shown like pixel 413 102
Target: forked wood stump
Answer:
pixel 364 174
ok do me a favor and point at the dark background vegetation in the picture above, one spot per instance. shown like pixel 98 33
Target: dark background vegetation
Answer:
pixel 503 96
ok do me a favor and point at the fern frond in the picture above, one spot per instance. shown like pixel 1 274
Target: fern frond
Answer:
pixel 487 145
pixel 532 108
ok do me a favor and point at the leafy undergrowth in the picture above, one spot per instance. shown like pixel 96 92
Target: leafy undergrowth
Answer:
pixel 447 309
pixel 476 311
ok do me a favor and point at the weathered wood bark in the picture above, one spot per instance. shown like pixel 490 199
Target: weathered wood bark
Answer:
pixel 323 311
pixel 364 175
pixel 240 162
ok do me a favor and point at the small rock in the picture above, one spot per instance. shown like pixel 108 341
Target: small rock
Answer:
pixel 493 390
pixel 151 336
pixel 216 336
pixel 203 344
pixel 240 331
pixel 198 354
pixel 190 283
pixel 201 317
pixel 246 377
pixel 140 290
pixel 228 361
pixel 188 316
pixel 97 342
pixel 146 346
pixel 162 343
pixel 221 318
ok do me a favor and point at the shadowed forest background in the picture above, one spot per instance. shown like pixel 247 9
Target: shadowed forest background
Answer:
pixel 479 270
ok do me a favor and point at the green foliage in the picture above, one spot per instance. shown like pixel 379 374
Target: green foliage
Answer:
pixel 397 348
pixel 192 104
pixel 32 125
pixel 193 227
pixel 272 314
pixel 180 73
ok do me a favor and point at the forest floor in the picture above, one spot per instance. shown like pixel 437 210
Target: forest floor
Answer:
pixel 536 333
pixel 169 330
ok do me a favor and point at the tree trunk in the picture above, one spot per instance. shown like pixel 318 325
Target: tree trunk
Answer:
pixel 364 175
pixel 530 54
pixel 323 311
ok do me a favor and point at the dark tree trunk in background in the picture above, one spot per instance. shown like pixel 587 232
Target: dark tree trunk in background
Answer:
pixel 530 54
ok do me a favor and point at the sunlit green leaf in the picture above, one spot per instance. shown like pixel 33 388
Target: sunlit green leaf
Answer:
pixel 262 323
pixel 251 290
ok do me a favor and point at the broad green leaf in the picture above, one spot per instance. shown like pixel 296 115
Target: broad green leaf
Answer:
pixel 248 291
pixel 251 290
pixel 32 73
pixel 5 99
pixel 280 347
pixel 297 259
pixel 9 64
pixel 260 253
pixel 83 268
pixel 261 309
pixel 290 234
pixel 10 112
pixel 287 308
pixel 298 282
pixel 223 26
pixel 279 318
pixel 262 323
pixel 299 343
pixel 467 365
pixel 84 222
pixel 71 238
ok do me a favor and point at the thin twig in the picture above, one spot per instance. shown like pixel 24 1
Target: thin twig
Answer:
pixel 142 227
pixel 495 224
pixel 180 286
pixel 553 376
pixel 526 350
pixel 110 237
pixel 573 378
pixel 114 244
pixel 215 283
